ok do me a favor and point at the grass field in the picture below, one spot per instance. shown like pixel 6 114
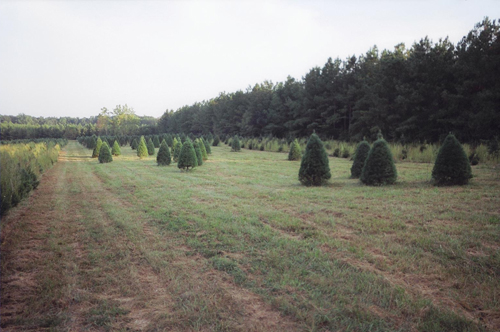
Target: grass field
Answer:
pixel 239 245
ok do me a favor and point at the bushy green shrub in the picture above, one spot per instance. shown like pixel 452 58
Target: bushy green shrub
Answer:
pixel 379 168
pixel 314 168
pixel 295 153
pixel 452 165
pixel 116 151
pixel 151 147
pixel 163 158
pixel 359 159
pixel 105 154
pixel 142 149
pixel 235 144
pixel 187 156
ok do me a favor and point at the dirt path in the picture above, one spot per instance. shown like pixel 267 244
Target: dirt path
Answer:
pixel 76 257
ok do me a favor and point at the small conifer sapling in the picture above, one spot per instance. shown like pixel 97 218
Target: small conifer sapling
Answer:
pixel 295 152
pixel 379 168
pixel 359 159
pixel 199 157
pixel 452 165
pixel 142 150
pixel 115 150
pixel 151 147
pixel 235 144
pixel 105 154
pixel 97 148
pixel 187 156
pixel 314 167
pixel 163 158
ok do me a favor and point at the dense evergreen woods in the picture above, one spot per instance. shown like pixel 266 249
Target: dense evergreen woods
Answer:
pixel 416 94
pixel 411 95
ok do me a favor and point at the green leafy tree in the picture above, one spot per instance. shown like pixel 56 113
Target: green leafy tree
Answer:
pixel 314 168
pixel 163 158
pixel 156 141
pixel 177 150
pixel 116 151
pixel 201 144
pixel 360 155
pixel 105 154
pixel 452 165
pixel 197 149
pixel 97 148
pixel 187 156
pixel 151 147
pixel 295 151
pixel 379 168
pixel 142 149
pixel 235 144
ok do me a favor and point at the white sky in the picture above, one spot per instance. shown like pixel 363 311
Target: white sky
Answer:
pixel 71 58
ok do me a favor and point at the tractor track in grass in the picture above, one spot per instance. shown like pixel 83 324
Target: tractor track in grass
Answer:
pixel 77 257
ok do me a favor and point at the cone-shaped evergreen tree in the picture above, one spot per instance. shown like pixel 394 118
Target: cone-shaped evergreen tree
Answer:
pixel 216 141
pixel 170 141
pixel 134 144
pixel 163 158
pixel 115 150
pixel 142 149
pixel 97 148
pixel 314 168
pixel 452 165
pixel 197 149
pixel 207 146
pixel 105 154
pixel 295 151
pixel 204 154
pixel 379 168
pixel 187 156
pixel 156 141
pixel 177 150
pixel 174 143
pixel 151 147
pixel 235 144
pixel 360 155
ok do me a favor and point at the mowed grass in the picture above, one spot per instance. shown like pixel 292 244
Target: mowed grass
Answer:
pixel 239 244
pixel 343 256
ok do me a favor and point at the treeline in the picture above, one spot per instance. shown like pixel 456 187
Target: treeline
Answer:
pixel 22 165
pixel 121 121
pixel 410 95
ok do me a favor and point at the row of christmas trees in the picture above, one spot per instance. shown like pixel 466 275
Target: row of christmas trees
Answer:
pixel 375 165
pixel 372 165
pixel 187 155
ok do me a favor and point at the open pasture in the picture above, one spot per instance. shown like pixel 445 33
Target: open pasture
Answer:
pixel 240 244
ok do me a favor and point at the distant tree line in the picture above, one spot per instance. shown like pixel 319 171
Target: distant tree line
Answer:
pixel 417 94
pixel 410 95
pixel 122 120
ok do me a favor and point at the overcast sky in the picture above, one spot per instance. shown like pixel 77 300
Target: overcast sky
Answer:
pixel 71 58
